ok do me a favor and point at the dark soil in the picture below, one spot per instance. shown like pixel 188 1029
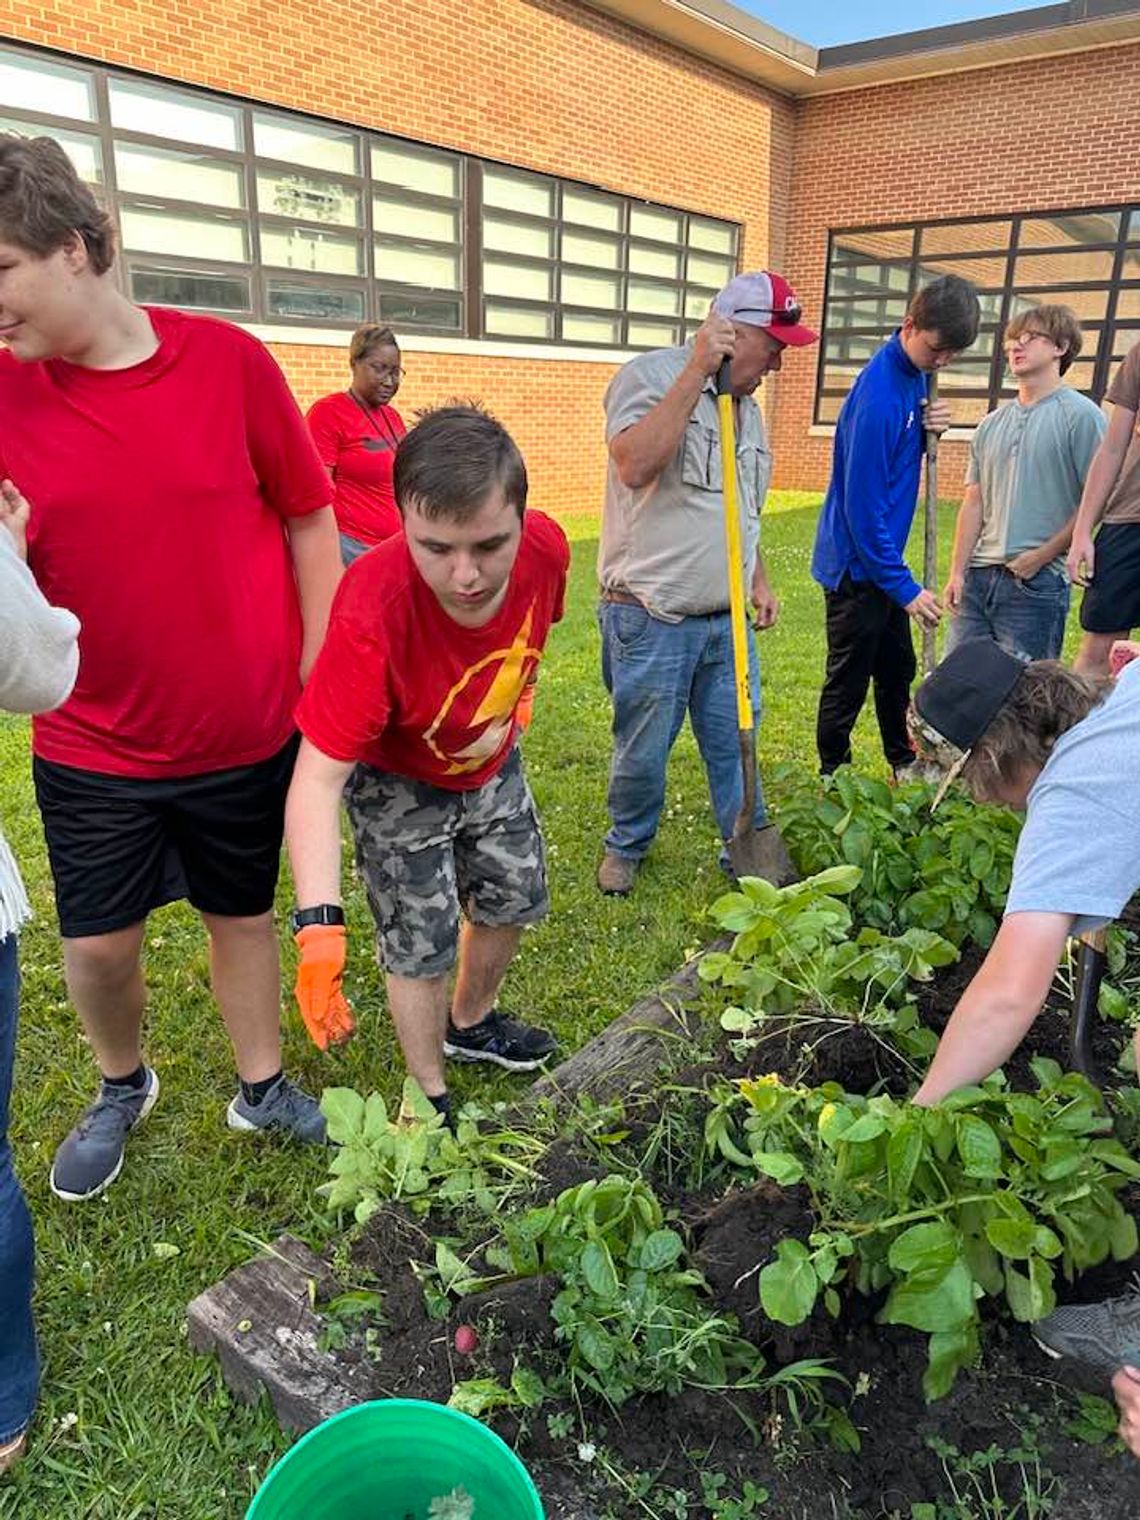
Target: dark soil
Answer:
pixel 1050 1034
pixel 737 1236
pixel 640 1456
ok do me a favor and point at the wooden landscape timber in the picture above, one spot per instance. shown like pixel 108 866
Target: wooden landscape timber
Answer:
pixel 260 1323
pixel 635 1044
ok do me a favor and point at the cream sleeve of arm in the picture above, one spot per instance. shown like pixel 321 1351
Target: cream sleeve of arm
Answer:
pixel 39 643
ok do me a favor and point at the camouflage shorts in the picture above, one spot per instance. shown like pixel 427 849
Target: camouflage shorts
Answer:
pixel 424 853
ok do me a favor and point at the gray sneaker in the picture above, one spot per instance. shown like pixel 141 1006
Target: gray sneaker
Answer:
pixel 91 1157
pixel 1105 1337
pixel 286 1108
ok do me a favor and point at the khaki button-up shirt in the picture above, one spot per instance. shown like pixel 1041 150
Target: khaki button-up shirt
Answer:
pixel 665 543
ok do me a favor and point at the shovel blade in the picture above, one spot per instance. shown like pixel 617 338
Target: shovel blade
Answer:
pixel 763 853
pixel 1090 973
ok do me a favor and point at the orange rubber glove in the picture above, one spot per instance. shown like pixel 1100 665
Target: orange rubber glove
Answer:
pixel 324 1007
pixel 524 709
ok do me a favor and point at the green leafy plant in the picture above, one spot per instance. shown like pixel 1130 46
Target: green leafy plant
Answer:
pixel 725 1506
pixel 1095 1422
pixel 947 872
pixel 795 951
pixel 414 1158
pixel 358 1307
pixel 631 1316
pixel 988 1193
pixel 481 1396
pixel 993 1484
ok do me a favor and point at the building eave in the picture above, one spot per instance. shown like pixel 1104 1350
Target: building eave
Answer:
pixel 726 35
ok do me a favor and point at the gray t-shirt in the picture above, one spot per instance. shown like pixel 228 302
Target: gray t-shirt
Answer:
pixel 1079 851
pixel 665 543
pixel 1030 463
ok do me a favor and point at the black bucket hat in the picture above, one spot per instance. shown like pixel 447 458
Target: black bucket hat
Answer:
pixel 962 697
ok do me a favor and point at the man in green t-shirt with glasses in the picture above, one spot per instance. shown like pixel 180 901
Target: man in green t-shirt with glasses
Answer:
pixel 1028 462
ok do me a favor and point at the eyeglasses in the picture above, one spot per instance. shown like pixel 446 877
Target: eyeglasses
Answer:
pixel 388 372
pixel 1025 338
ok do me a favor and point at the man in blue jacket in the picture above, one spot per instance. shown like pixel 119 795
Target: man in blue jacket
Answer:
pixel 866 519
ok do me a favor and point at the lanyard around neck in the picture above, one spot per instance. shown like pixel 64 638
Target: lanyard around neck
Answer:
pixel 387 432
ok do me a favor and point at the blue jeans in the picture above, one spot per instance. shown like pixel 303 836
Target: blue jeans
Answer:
pixel 1025 617
pixel 656 672
pixel 19 1363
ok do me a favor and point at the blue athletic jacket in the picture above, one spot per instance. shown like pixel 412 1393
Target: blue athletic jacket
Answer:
pixel 877 459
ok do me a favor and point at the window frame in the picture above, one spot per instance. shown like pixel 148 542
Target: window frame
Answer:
pixel 369 283
pixel 1101 340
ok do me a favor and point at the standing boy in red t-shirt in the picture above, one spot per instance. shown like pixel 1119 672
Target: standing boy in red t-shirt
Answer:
pixel 434 638
pixel 178 507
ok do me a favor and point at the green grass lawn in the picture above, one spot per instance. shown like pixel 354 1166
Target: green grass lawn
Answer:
pixel 132 1424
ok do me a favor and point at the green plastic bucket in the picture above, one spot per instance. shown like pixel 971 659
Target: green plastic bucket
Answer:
pixel 388 1460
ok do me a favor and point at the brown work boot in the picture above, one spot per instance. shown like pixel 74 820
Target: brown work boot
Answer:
pixel 615 874
pixel 11 1453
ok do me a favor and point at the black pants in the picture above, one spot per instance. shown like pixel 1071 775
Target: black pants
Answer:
pixel 868 639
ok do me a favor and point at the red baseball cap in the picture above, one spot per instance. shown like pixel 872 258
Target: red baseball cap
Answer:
pixel 765 300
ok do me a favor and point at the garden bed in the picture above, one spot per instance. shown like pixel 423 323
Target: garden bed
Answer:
pixel 690 1293
pixel 1005 1428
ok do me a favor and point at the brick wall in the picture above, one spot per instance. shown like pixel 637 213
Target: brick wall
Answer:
pixel 1055 132
pixel 545 84
pixel 554 86
pixel 553 411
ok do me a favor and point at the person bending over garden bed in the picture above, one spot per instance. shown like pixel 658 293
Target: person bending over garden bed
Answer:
pixel 1065 749
pixel 416 702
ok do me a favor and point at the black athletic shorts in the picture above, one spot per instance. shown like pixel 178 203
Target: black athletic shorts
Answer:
pixel 120 846
pixel 1112 602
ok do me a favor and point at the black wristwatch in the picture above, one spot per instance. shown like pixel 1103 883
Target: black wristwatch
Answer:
pixel 323 913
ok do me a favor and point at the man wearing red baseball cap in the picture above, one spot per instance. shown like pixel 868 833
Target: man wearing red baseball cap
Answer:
pixel 666 637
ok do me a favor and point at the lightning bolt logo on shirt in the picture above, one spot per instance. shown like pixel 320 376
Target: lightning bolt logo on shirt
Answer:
pixel 494 713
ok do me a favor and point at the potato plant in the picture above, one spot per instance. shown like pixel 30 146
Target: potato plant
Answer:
pixel 988 1194
pixel 795 951
pixel 412 1157
pixel 948 871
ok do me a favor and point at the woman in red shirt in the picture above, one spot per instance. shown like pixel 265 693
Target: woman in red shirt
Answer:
pixel 356 432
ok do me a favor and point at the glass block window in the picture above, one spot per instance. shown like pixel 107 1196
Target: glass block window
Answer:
pixel 579 266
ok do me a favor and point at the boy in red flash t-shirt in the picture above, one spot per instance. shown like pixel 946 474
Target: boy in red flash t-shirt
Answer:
pixel 412 713
pixel 179 509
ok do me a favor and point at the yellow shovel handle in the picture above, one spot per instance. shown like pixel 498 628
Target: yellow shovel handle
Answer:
pixel 735 552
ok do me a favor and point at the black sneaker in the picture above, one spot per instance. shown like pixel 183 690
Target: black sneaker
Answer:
pixel 91 1157
pixel 503 1040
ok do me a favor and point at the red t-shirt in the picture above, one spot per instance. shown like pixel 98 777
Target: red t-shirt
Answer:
pixel 358 445
pixel 159 500
pixel 402 686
